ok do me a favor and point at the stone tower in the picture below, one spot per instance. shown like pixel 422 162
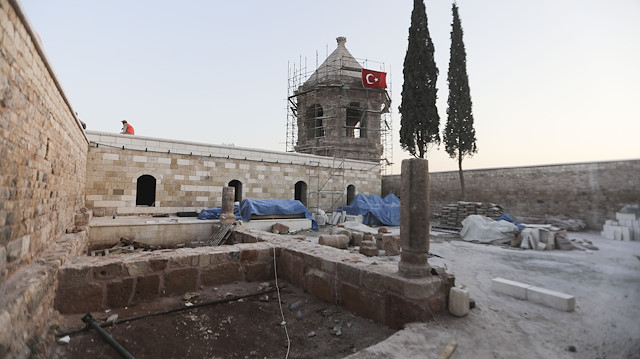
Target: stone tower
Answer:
pixel 336 115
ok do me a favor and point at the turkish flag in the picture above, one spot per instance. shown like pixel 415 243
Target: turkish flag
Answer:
pixel 374 79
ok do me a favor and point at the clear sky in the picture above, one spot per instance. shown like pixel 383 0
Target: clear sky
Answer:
pixel 551 81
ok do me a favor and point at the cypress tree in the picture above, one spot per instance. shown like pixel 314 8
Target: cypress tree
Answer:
pixel 459 135
pixel 419 124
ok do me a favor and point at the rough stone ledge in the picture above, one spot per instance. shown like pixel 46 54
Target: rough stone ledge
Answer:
pixel 26 298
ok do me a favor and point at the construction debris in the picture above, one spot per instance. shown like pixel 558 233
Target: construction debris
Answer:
pixel 626 227
pixel 452 215
pixel 564 222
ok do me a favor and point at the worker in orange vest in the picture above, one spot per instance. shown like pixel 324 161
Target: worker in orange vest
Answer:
pixel 127 129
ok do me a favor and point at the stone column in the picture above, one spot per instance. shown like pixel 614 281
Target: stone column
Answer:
pixel 228 195
pixel 414 218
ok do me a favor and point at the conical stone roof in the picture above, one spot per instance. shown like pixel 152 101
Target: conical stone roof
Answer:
pixel 339 68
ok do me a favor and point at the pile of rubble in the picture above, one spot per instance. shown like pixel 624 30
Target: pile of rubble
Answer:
pixel 452 215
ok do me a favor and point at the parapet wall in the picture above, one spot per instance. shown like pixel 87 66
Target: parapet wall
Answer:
pixel 42 148
pixel 190 176
pixel 593 192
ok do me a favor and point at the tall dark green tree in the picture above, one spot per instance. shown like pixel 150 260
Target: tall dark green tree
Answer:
pixel 459 135
pixel 419 124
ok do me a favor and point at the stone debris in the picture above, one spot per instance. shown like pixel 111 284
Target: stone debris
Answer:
pixel 311 334
pixel 626 227
pixel 369 248
pixel 564 222
pixel 295 305
pixel 337 241
pixel 279 228
pixel 391 244
pixel 64 340
pixel 452 215
pixel 263 298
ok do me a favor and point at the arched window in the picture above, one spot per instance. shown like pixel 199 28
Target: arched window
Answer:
pixel 314 121
pixel 301 192
pixel 146 191
pixel 355 125
pixel 351 193
pixel 238 186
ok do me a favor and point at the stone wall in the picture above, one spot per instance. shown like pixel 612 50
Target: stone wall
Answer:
pixel 43 148
pixel 336 276
pixel 593 192
pixel 42 179
pixel 190 176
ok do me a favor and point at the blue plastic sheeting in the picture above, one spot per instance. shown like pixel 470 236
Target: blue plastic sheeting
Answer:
pixel 214 213
pixel 508 218
pixel 262 207
pixel 265 207
pixel 375 209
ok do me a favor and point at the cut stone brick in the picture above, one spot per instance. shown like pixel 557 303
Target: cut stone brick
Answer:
pixel 509 287
pixel 551 298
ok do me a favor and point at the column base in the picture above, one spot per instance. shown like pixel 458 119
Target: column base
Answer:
pixel 414 264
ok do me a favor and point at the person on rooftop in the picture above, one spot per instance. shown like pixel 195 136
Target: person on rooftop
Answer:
pixel 127 129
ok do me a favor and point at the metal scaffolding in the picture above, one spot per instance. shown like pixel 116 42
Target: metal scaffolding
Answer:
pixel 334 186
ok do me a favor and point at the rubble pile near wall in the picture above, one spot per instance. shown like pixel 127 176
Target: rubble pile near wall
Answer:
pixel 453 214
pixel 626 227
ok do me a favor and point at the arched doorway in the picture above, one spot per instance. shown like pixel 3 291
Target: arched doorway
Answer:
pixel 351 193
pixel 301 192
pixel 238 189
pixel 146 191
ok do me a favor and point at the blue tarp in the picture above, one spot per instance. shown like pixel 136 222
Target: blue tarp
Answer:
pixel 263 207
pixel 375 209
pixel 214 213
pixel 508 218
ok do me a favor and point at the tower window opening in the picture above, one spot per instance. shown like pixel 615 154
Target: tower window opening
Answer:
pixel 355 124
pixel 146 191
pixel 314 115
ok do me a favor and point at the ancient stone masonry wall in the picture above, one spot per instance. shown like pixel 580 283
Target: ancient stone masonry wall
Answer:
pixel 593 192
pixel 190 176
pixel 42 148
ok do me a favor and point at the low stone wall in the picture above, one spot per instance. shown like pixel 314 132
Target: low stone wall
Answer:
pixel 593 192
pixel 373 291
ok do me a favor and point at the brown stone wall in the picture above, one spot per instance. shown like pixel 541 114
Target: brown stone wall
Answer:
pixel 43 149
pixel 593 192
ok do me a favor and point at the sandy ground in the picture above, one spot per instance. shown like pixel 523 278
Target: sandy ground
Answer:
pixel 605 323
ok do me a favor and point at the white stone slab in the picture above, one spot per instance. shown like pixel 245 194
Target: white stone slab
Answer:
pixel 510 287
pixel 551 298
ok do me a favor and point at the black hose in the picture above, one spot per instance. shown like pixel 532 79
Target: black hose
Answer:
pixel 108 338
pixel 169 311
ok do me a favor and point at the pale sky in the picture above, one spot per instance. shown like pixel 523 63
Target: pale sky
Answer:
pixel 552 81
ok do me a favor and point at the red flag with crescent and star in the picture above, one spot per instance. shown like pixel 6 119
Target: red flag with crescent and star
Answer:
pixel 375 79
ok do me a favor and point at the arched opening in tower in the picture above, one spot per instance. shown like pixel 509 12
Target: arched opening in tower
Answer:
pixel 351 193
pixel 315 127
pixel 238 190
pixel 146 191
pixel 301 192
pixel 355 125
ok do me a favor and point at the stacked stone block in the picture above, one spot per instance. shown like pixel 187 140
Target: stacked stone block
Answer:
pixel 453 214
pixel 626 227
